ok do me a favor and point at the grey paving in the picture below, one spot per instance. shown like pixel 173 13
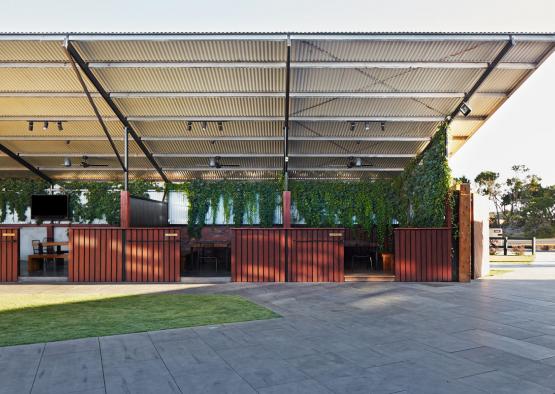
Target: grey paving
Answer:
pixel 495 335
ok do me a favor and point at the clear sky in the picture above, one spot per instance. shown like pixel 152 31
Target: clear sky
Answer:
pixel 521 132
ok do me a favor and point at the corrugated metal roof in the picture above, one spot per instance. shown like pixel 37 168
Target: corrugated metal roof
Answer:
pixel 158 78
pixel 384 80
pixel 195 107
pixel 394 50
pixel 191 79
pixel 182 50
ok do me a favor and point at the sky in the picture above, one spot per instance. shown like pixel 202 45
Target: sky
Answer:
pixel 520 132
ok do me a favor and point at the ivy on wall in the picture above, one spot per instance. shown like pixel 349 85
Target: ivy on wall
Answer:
pixel 101 199
pixel 242 201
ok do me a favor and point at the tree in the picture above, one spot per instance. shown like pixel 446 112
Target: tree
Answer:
pixel 488 185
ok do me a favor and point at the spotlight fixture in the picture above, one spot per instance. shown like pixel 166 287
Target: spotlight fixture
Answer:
pixel 68 142
pixel 382 125
pixel 45 126
pixel 353 124
pixel 189 126
pixel 220 126
pixel 204 126
pixel 67 162
pixel 366 126
pixel 30 127
pixel 465 109
pixel 60 126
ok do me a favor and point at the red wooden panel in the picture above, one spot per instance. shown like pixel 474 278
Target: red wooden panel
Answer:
pixel 9 254
pixel 422 254
pixel 95 254
pixel 153 255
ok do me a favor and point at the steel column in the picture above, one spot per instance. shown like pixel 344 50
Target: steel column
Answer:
pixel 126 159
pixel 122 118
pixel 286 123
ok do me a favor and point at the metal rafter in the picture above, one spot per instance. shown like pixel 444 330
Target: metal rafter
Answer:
pixel 122 118
pixel 95 108
pixel 25 163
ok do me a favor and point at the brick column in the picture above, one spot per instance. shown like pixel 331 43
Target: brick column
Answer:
pixel 125 210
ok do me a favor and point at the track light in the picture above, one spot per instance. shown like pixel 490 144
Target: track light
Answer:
pixel 353 124
pixel 60 126
pixel 30 128
pixel 366 126
pixel 204 126
pixel 382 125
pixel 68 142
pixel 465 109
pixel 45 126
pixel 189 126
pixel 220 126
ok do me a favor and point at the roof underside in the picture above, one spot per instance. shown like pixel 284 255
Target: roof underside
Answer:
pixel 396 87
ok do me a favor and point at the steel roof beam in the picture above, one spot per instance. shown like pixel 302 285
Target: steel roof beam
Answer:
pixel 278 65
pixel 162 155
pixel 239 118
pixel 204 169
pixel 28 166
pixel 141 95
pixel 122 118
pixel 222 138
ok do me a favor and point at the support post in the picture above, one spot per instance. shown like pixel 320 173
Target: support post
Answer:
pixel 126 159
pixel 505 246
pixel 533 245
pixel 286 116
pixel 465 242
pixel 286 209
pixel 125 209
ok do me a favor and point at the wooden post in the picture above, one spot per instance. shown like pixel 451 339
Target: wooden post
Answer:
pixel 286 209
pixel 125 209
pixel 465 234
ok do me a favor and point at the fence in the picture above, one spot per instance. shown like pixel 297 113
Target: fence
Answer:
pixel 506 243
pixel 9 254
pixel 313 255
pixel 423 255
pixel 124 255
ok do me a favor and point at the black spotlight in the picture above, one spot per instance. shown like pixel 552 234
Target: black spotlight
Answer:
pixel 220 126
pixel 189 126
pixel 60 126
pixel 382 125
pixel 45 126
pixel 353 125
pixel 465 109
pixel 30 127
pixel 204 126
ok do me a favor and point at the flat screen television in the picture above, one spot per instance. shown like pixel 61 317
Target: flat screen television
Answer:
pixel 50 207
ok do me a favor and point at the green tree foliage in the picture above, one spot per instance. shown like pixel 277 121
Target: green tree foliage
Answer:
pixel 489 186
pixel 522 204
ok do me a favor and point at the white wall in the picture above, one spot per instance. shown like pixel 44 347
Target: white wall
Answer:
pixel 481 236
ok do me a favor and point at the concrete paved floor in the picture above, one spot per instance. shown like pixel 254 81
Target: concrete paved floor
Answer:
pixel 494 335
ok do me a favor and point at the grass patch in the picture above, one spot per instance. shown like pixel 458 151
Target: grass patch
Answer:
pixel 33 318
pixel 526 259
pixel 498 272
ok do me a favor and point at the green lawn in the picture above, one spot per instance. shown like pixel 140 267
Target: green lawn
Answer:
pixel 526 259
pixel 32 318
pixel 498 272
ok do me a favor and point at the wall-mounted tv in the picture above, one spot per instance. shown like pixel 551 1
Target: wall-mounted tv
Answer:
pixel 49 207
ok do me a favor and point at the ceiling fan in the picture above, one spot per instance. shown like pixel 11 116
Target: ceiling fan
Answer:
pixel 353 162
pixel 84 163
pixel 216 162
